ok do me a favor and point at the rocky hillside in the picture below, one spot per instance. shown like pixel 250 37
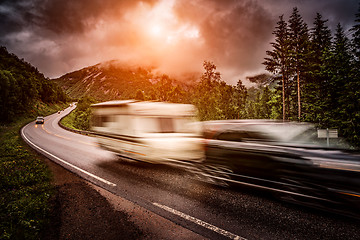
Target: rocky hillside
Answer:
pixel 115 80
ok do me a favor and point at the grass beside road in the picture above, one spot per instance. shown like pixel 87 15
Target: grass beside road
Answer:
pixel 25 182
pixel 69 120
pixel 79 119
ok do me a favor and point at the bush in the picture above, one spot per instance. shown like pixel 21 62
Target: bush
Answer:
pixel 80 118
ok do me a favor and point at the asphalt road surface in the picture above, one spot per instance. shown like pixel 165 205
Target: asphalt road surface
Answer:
pixel 212 211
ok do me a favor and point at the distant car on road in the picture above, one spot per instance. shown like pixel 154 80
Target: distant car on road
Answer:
pixel 40 120
pixel 285 158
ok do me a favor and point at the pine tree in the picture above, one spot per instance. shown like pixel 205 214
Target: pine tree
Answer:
pixel 340 103
pixel 207 94
pixel 356 38
pixel 354 85
pixel 241 96
pixel 341 62
pixel 278 60
pixel 265 111
pixel 315 89
pixel 299 50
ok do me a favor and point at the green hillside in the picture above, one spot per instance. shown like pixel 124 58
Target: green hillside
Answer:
pixel 23 88
pixel 114 80
pixel 26 191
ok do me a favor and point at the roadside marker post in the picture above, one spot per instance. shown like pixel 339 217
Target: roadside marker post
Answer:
pixel 327 133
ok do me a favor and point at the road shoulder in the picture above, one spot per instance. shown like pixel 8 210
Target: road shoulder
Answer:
pixel 85 211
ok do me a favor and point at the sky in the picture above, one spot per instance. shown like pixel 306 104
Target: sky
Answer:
pixel 174 36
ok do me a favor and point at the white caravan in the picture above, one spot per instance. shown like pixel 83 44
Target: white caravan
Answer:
pixel 154 132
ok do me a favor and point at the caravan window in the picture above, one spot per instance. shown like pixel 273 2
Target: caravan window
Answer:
pixel 154 124
pixel 166 125
pixel 162 124
pixel 99 120
pixel 102 120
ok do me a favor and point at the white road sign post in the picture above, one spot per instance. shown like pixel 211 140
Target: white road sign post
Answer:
pixel 327 133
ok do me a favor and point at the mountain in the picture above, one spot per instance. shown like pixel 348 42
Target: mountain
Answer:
pixel 22 85
pixel 117 80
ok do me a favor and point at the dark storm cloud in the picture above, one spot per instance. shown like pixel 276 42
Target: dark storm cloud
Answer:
pixel 235 32
pixel 67 16
pixel 336 11
pixel 51 33
pixel 59 16
pixel 13 15
pixel 238 33
pixel 59 36
pixel 73 16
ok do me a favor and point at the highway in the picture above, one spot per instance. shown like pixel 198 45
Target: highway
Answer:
pixel 211 211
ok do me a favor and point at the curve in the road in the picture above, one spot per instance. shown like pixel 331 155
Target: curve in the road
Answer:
pixel 213 212
pixel 56 137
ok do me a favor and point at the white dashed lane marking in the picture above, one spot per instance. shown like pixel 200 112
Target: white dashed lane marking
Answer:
pixel 200 222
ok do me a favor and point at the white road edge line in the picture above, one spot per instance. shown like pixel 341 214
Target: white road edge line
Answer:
pixel 200 222
pixel 63 161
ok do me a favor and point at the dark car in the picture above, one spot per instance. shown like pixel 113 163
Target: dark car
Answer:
pixel 285 158
pixel 40 120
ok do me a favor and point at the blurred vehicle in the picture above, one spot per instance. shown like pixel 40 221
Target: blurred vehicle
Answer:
pixel 285 158
pixel 154 132
pixel 40 120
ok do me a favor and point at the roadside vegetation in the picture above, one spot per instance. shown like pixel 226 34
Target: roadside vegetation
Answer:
pixel 22 86
pixel 25 181
pixel 79 119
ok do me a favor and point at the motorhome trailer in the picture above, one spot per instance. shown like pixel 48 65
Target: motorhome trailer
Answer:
pixel 155 132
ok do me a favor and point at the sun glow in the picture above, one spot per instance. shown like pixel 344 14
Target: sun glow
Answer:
pixel 151 34
pixel 155 30
pixel 161 24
